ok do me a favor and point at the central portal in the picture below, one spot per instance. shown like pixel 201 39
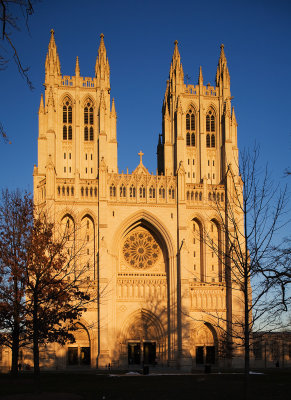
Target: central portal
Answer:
pixel 142 353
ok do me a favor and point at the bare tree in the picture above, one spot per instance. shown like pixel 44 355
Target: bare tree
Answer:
pixel 13 13
pixel 250 220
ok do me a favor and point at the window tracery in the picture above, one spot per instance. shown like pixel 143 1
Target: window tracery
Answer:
pixel 190 128
pixel 211 128
pixel 141 250
pixel 88 121
pixel 67 119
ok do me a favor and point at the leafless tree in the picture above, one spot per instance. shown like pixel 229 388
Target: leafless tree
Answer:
pixel 13 14
pixel 250 221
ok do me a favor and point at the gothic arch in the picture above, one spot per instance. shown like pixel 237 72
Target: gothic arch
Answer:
pixel 149 221
pixel 144 324
pixel 212 107
pixel 66 94
pixel 192 105
pixel 88 213
pixel 87 97
pixel 200 245
pixel 219 249
pixel 67 212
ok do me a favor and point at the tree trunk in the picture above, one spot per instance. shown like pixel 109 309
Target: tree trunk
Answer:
pixel 15 351
pixel 246 332
pixel 35 342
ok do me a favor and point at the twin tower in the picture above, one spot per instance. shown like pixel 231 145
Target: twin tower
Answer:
pixel 143 232
pixel 77 122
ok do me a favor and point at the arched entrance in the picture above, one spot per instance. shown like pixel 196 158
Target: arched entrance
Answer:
pixel 79 352
pixel 144 339
pixel 142 296
pixel 205 345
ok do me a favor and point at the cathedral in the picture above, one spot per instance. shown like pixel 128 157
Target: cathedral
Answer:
pixel 153 243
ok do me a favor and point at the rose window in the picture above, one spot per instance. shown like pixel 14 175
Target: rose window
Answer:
pixel 140 250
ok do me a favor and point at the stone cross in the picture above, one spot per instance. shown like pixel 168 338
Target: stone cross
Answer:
pixel 140 155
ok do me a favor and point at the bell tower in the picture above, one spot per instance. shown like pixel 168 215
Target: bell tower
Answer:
pixel 198 125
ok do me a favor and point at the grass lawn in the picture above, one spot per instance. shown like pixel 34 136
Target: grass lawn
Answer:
pixel 274 384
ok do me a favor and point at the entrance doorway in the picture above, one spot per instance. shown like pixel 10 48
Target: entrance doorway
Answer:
pixel 141 353
pixel 205 354
pixel 149 353
pixel 134 356
pixel 78 355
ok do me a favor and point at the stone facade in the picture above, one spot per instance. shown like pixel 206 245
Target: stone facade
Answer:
pixel 162 287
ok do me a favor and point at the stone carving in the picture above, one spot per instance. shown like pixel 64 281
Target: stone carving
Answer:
pixel 140 250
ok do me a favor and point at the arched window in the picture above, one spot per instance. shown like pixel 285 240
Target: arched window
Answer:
pixel 142 192
pixel 112 191
pixel 190 128
pixel 91 134
pixel 88 121
pixel 86 136
pixel 162 192
pixel 132 191
pixel 188 139
pixel 67 119
pixel 210 127
pixel 207 140
pixel 65 132
pixel 122 191
pixel 212 140
pixel 171 193
pixel 82 191
pixel 152 193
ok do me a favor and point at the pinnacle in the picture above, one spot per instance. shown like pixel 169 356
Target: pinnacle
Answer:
pixel 52 63
pixel 77 68
pixel 200 79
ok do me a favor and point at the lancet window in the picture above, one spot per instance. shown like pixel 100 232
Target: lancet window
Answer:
pixel 162 192
pixel 112 191
pixel 88 121
pixel 67 119
pixel 211 128
pixel 142 192
pixel 132 191
pixel 171 193
pixel 152 193
pixel 122 191
pixel 190 128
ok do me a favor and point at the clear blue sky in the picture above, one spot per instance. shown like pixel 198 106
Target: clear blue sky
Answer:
pixel 139 38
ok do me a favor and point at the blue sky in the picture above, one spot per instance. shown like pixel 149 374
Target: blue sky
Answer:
pixel 139 38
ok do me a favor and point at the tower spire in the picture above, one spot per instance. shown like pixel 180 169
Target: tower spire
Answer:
pixel 176 69
pixel 52 62
pixel 113 111
pixel 200 79
pixel 77 68
pixel 222 73
pixel 102 69
pixel 41 105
